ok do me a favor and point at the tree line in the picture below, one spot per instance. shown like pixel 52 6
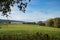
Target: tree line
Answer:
pixel 54 22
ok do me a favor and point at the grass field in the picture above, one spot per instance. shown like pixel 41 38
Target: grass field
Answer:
pixel 22 29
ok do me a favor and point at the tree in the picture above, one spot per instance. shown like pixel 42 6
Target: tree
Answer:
pixel 49 22
pixel 5 5
pixel 57 22
pixel 41 23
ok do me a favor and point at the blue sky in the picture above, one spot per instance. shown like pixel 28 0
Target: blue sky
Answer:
pixel 37 10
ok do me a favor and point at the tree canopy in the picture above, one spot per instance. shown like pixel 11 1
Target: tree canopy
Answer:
pixel 5 5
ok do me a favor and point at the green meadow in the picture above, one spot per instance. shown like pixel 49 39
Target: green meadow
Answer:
pixel 25 29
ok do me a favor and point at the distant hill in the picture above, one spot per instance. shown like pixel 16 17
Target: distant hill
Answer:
pixel 12 21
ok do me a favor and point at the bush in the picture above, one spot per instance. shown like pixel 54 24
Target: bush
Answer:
pixel 29 23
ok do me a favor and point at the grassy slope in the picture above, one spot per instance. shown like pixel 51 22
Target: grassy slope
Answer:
pixel 28 29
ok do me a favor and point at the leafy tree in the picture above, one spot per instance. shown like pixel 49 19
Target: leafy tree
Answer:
pixel 49 22
pixel 5 5
pixel 41 23
pixel 57 22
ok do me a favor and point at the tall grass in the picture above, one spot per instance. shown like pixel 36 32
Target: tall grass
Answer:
pixel 28 32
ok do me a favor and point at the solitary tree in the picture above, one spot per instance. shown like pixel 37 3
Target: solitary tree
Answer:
pixel 41 23
pixel 6 4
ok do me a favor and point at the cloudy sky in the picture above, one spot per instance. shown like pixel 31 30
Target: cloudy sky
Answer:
pixel 37 10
